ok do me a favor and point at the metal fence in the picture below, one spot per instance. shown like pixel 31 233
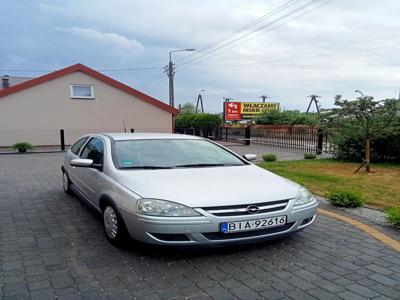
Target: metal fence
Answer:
pixel 296 138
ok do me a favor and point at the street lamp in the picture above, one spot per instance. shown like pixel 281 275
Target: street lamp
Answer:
pixel 170 69
pixel 361 93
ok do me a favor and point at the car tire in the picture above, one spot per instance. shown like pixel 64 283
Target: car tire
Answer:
pixel 114 227
pixel 66 183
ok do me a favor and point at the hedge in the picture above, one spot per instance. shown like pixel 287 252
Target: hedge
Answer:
pixel 198 121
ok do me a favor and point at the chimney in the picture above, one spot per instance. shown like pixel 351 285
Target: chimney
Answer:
pixel 6 81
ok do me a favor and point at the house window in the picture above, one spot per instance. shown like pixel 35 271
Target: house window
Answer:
pixel 82 91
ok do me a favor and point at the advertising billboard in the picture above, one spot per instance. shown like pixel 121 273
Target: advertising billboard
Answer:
pixel 235 111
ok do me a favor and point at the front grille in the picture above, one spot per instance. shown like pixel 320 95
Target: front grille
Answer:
pixel 214 236
pixel 239 210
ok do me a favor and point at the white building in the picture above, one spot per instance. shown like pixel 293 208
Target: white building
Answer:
pixel 79 100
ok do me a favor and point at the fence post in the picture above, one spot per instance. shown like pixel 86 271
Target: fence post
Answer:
pixel 226 134
pixel 247 135
pixel 62 139
pixel 320 141
pixel 132 130
pixel 216 135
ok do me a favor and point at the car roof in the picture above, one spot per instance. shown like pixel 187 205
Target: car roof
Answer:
pixel 147 136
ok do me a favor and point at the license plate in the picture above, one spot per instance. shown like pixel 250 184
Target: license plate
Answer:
pixel 228 227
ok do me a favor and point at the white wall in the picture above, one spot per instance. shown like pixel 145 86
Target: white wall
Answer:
pixel 37 114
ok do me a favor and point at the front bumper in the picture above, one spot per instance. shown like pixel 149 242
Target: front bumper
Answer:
pixel 205 230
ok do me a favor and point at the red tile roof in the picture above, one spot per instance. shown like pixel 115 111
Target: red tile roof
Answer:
pixel 92 73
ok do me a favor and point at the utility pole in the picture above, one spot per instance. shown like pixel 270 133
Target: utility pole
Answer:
pixel 170 70
pixel 226 99
pixel 200 101
pixel 264 97
pixel 314 99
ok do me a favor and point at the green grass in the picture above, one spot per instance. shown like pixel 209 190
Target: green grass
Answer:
pixel 380 188
pixel 393 216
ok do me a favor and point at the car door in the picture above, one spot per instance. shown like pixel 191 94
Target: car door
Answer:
pixel 73 153
pixel 90 178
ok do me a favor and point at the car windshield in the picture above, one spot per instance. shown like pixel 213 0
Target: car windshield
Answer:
pixel 171 153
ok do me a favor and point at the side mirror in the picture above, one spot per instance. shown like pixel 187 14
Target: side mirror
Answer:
pixel 250 157
pixel 80 162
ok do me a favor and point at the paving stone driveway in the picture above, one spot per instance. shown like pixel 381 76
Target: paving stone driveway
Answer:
pixel 52 246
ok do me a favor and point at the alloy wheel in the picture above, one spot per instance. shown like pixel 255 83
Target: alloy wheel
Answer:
pixel 110 222
pixel 65 182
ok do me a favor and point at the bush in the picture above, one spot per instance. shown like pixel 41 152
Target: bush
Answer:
pixel 269 157
pixel 393 216
pixel 350 147
pixel 344 198
pixel 198 121
pixel 309 155
pixel 22 146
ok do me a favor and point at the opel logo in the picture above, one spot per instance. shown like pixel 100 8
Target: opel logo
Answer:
pixel 252 209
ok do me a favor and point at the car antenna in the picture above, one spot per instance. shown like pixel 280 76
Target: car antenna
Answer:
pixel 123 122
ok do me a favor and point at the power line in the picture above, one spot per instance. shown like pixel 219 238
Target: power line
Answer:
pixel 259 29
pixel 131 69
pixel 153 79
pixel 241 29
pixel 299 50
pixel 296 17
pixel 302 67
pixel 272 13
pixel 259 63
pixel 100 70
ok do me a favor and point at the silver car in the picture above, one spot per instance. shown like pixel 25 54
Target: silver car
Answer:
pixel 176 189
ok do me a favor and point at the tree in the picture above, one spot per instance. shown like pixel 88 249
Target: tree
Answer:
pixel 287 117
pixel 364 118
pixel 187 108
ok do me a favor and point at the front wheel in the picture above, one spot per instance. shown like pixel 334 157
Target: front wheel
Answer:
pixel 66 183
pixel 113 226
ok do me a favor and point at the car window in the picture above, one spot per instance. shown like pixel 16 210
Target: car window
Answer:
pixel 171 153
pixel 78 145
pixel 94 150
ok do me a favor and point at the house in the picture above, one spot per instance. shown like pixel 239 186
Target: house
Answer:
pixel 78 100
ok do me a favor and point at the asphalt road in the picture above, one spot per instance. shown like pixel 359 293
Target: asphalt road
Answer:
pixel 53 246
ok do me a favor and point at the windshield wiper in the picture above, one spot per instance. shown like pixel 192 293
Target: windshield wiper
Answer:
pixel 145 167
pixel 205 165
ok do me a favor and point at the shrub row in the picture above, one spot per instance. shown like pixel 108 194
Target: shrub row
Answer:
pixel 198 121
pixel 287 117
pixel 351 148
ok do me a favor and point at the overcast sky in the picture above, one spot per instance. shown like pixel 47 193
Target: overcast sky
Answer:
pixel 333 49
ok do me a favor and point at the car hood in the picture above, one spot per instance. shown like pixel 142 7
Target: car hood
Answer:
pixel 213 186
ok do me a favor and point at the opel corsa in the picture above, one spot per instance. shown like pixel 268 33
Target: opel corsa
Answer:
pixel 176 189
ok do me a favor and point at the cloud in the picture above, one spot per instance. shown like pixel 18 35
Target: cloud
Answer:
pixel 119 42
pixel 317 53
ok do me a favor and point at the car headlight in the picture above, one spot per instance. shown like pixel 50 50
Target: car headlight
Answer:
pixel 303 197
pixel 162 208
